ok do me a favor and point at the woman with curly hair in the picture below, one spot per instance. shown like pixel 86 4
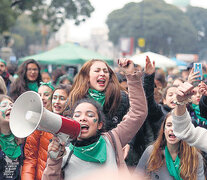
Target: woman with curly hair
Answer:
pixel 171 158
pixel 29 78
pixel 97 80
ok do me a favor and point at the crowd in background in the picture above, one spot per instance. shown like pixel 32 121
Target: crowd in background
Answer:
pixel 130 117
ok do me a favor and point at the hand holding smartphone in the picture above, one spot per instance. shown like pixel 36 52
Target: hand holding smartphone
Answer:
pixel 198 67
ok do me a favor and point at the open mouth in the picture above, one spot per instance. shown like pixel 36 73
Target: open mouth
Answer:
pixel 172 136
pixel 57 108
pixel 44 103
pixel 33 77
pixel 7 114
pixel 84 127
pixel 101 82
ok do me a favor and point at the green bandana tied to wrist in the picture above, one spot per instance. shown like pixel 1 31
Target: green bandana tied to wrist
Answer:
pixel 197 112
pixel 33 86
pixel 173 167
pixel 95 152
pixel 97 96
pixel 9 146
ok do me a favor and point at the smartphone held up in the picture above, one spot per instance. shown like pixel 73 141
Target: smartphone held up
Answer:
pixel 198 68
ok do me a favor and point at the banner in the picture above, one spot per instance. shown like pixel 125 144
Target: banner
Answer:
pixel 126 46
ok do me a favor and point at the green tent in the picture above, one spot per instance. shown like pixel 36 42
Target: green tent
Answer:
pixel 67 54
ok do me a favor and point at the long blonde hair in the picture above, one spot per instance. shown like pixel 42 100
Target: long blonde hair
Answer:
pixel 188 156
pixel 81 85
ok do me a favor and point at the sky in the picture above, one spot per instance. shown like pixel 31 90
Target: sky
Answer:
pixel 99 16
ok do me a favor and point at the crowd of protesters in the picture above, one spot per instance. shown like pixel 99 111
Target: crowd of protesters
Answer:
pixel 145 122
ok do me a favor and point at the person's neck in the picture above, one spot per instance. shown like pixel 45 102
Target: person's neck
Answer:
pixel 5 129
pixel 88 141
pixel 173 149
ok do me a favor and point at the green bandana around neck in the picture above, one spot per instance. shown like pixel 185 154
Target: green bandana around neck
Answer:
pixel 173 167
pixel 97 96
pixel 95 152
pixel 9 146
pixel 33 86
pixel 197 112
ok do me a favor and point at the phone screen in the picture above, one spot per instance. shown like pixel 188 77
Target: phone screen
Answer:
pixel 198 67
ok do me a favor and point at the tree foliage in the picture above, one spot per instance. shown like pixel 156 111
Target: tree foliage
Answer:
pixel 51 13
pixel 25 33
pixel 166 28
pixel 7 15
pixel 198 18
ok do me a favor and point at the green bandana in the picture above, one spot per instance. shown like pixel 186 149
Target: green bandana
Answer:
pixel 95 152
pixel 9 146
pixel 1 60
pixel 197 112
pixel 33 86
pixel 97 96
pixel 49 84
pixel 173 167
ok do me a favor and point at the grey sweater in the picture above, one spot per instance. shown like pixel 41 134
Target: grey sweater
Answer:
pixel 185 130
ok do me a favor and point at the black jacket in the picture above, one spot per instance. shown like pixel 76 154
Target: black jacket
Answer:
pixel 113 119
pixel 203 106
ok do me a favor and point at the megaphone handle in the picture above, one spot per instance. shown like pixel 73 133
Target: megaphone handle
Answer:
pixel 62 138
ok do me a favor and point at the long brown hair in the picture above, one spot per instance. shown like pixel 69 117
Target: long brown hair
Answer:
pixel 81 85
pixel 19 86
pixel 188 156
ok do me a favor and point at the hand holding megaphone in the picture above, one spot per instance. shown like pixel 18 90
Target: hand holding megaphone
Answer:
pixel 56 148
pixel 28 114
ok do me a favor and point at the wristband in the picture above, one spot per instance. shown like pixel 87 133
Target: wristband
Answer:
pixel 182 102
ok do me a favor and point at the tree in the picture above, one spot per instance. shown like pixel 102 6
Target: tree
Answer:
pixel 8 16
pixel 51 13
pixel 198 18
pixel 25 33
pixel 166 28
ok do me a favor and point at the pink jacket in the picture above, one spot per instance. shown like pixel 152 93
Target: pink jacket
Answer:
pixel 118 136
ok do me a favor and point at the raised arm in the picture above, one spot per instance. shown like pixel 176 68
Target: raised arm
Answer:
pixel 137 113
pixel 155 111
pixel 182 124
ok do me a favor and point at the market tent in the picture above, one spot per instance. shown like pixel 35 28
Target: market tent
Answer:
pixel 160 60
pixel 67 54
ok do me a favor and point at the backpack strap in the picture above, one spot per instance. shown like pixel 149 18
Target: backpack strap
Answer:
pixel 114 143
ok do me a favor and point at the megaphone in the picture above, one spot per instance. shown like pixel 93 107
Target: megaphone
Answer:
pixel 28 114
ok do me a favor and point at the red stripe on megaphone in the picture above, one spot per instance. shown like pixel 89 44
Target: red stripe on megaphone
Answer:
pixel 70 127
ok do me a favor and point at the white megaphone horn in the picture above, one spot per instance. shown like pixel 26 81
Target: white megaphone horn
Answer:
pixel 28 114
